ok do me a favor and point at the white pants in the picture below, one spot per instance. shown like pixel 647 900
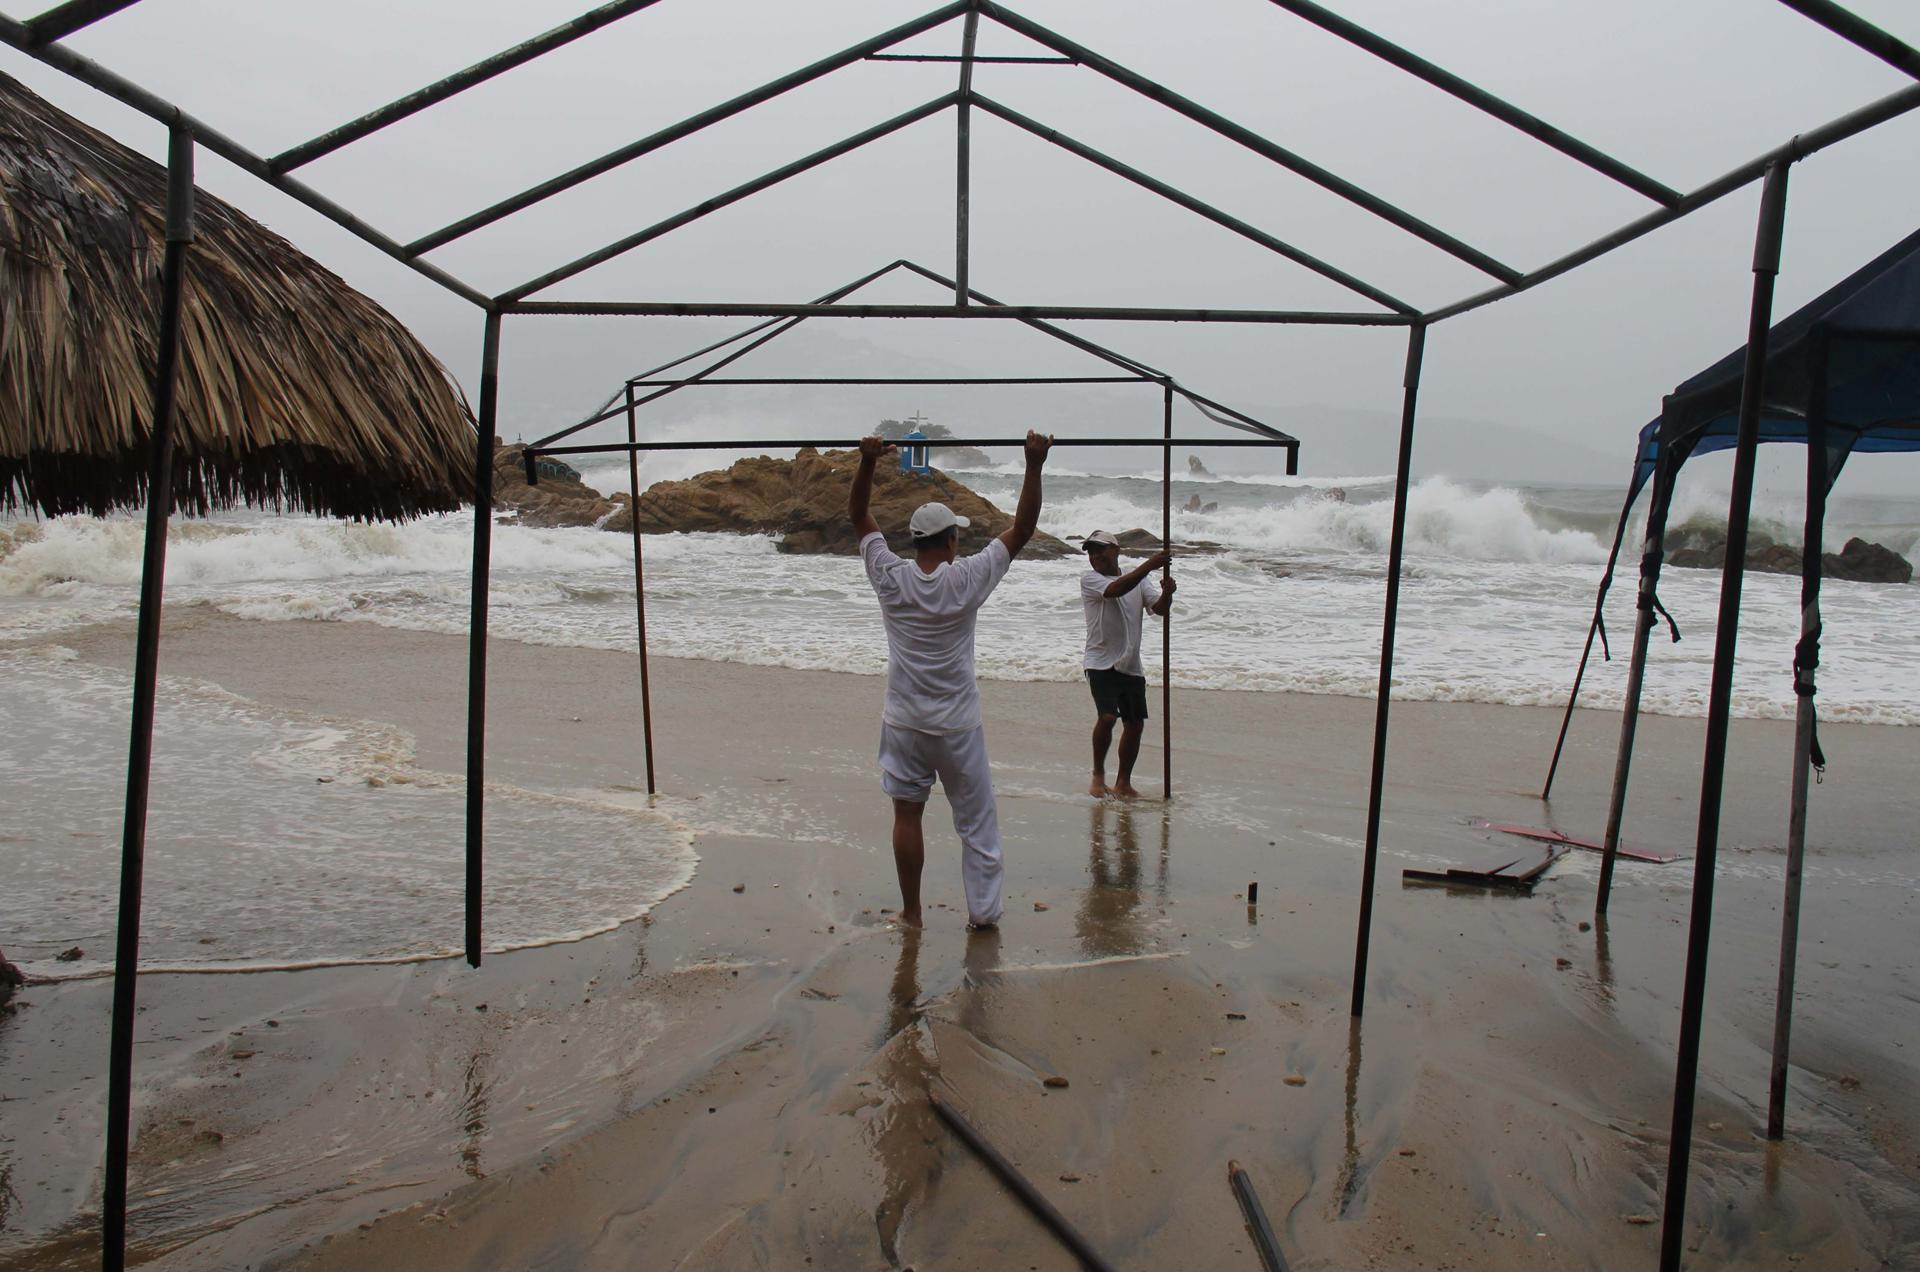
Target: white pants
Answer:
pixel 910 760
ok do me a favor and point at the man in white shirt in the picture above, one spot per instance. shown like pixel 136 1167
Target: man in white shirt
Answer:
pixel 930 726
pixel 1113 603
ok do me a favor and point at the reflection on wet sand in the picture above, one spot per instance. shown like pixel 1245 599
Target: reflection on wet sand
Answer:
pixel 1109 920
pixel 475 1097
pixel 904 1067
pixel 1349 1185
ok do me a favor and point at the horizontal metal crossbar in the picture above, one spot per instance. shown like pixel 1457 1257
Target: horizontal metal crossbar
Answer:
pixel 982 443
pixel 1016 313
pixel 955 57
pixel 695 383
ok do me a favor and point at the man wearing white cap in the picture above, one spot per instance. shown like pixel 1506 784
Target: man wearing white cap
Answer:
pixel 1113 604
pixel 930 726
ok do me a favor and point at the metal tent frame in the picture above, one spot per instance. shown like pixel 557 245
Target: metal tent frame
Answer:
pixel 42 38
pixel 1137 372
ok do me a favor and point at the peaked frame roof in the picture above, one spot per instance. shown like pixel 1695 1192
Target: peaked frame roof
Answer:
pixel 42 36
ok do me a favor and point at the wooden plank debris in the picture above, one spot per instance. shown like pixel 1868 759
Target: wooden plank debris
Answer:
pixel 1547 835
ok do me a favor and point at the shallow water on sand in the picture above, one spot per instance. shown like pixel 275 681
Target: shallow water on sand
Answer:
pixel 275 841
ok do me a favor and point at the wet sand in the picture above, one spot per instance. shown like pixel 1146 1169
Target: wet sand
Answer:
pixel 742 1078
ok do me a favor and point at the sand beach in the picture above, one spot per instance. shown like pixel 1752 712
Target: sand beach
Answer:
pixel 740 1078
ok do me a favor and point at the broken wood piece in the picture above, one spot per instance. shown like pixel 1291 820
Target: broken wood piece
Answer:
pixel 1549 835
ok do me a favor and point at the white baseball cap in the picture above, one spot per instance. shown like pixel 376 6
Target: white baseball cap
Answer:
pixel 1100 539
pixel 930 519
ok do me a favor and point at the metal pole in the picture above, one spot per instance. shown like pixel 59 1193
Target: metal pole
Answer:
pixel 1264 1242
pixel 963 177
pixel 640 592
pixel 1593 628
pixel 146 661
pixel 1766 264
pixel 477 630
pixel 1652 550
pixel 510 304
pixel 1022 1187
pixel 984 443
pixel 1806 662
pixel 1573 696
pixel 1166 620
pixel 1416 347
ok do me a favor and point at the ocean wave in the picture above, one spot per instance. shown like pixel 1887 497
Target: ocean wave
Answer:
pixel 1444 519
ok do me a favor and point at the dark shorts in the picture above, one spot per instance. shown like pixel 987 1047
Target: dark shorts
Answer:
pixel 1117 693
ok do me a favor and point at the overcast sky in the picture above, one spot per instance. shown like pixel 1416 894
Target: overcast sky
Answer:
pixel 1683 90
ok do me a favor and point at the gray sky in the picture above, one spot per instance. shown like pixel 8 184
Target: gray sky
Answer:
pixel 1681 90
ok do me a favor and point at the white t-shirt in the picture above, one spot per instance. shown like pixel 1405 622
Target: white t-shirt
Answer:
pixel 1113 622
pixel 930 620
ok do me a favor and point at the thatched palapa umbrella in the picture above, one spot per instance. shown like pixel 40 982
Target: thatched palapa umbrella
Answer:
pixel 151 345
pixel 294 389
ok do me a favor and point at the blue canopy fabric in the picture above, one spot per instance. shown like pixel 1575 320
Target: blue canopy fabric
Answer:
pixel 1849 361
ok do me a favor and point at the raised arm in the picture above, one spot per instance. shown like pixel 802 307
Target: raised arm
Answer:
pixel 1026 515
pixel 1137 575
pixel 871 449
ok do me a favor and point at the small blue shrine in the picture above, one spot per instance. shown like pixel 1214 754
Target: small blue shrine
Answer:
pixel 913 458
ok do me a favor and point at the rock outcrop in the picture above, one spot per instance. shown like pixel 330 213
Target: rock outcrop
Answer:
pixel 1195 468
pixel 804 499
pixel 560 499
pixel 1857 562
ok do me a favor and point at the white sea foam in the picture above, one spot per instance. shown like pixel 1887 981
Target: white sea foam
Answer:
pixel 1494 604
pixel 256 817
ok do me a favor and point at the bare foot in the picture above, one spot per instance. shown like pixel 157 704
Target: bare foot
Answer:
pixel 1125 790
pixel 982 927
pixel 1098 787
pixel 907 918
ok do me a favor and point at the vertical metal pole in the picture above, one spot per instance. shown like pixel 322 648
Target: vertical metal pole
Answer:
pixel 640 591
pixel 477 630
pixel 1166 620
pixel 1416 348
pixel 1573 696
pixel 1805 664
pixel 1766 264
pixel 963 177
pixel 146 662
pixel 1652 550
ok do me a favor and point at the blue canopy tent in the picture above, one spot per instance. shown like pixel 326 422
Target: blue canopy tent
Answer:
pixel 1842 375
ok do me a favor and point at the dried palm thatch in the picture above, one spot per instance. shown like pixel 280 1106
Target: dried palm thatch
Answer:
pixel 295 391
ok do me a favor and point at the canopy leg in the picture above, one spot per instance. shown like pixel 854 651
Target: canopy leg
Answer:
pixel 1766 264
pixel 1416 348
pixel 640 593
pixel 1166 620
pixel 477 630
pixel 1652 551
pixel 146 674
pixel 1806 662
